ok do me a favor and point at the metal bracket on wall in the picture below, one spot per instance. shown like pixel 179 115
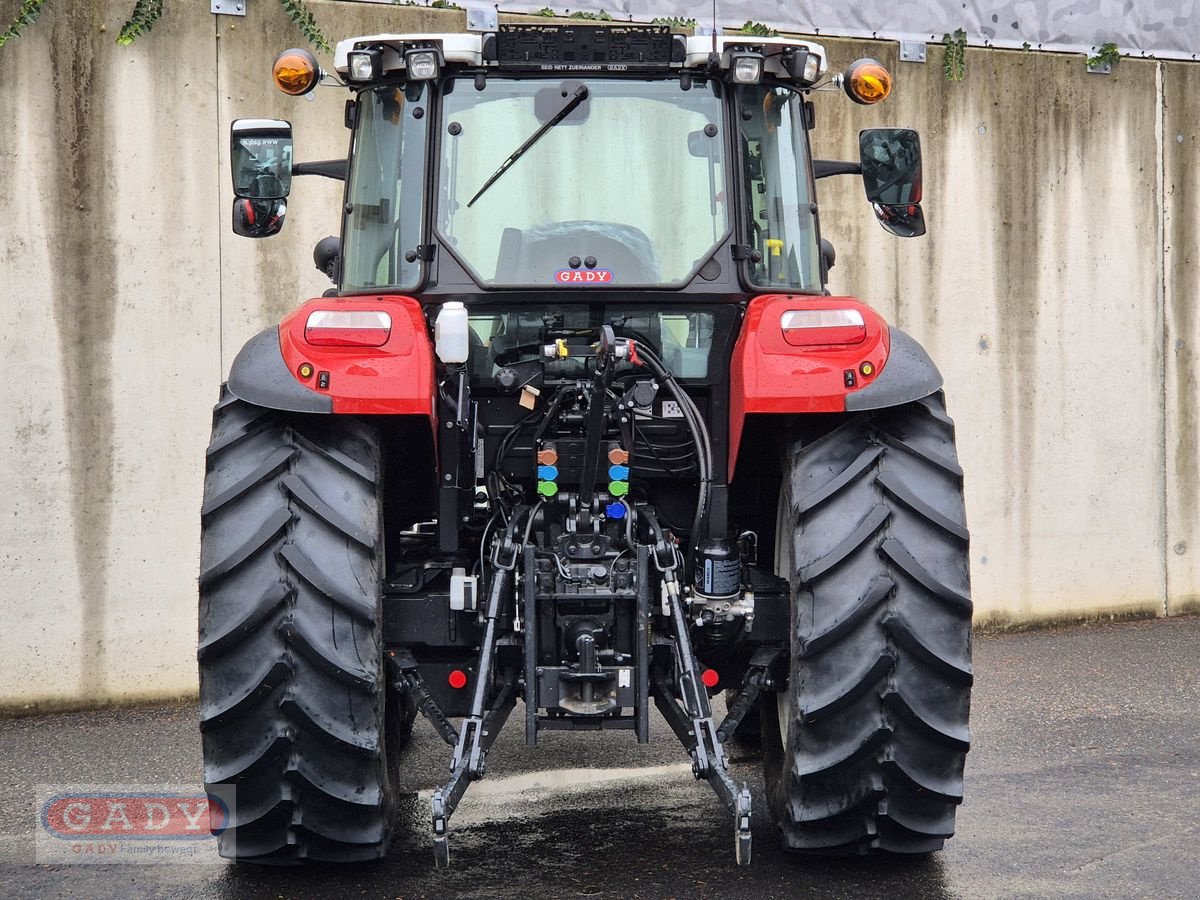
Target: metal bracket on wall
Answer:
pixel 1100 68
pixel 227 7
pixel 482 18
pixel 912 51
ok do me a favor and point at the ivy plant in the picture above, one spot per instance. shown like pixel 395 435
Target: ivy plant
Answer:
pixel 673 21
pixel 147 12
pixel 303 19
pixel 954 61
pixel 1107 55
pixel 758 29
pixel 26 15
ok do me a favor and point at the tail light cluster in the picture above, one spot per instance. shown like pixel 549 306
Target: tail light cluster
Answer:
pixel 823 327
pixel 347 328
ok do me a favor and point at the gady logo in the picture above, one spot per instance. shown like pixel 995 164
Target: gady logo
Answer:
pixel 132 816
pixel 584 276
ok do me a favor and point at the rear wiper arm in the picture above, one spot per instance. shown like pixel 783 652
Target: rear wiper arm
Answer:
pixel 581 94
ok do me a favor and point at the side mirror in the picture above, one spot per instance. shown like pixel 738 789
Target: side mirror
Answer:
pixel 258 218
pixel 891 171
pixel 260 158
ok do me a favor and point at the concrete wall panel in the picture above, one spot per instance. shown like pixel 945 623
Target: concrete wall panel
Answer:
pixel 117 301
pixel 39 588
pixel 1181 190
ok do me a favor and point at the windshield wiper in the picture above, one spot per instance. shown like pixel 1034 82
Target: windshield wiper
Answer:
pixel 581 94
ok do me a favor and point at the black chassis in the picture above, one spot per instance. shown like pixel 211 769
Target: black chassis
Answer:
pixel 592 632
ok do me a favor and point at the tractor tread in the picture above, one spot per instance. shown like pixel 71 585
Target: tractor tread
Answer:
pixel 329 730
pixel 865 460
pixel 853 685
pixel 907 637
pixel 894 485
pixel 899 555
pixel 241 628
pixel 264 680
pixel 267 532
pixel 946 464
pixel 303 567
pixel 303 495
pixel 867 528
pixel 878 591
pixel 238 767
pixel 320 655
pixel 269 467
pixel 953 735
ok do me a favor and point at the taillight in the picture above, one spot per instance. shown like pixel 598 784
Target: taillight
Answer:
pixel 347 328
pixel 816 327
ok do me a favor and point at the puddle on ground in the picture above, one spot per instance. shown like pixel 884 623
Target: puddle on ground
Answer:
pixel 491 799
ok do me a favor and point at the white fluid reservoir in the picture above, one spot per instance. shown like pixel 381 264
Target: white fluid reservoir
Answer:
pixel 451 333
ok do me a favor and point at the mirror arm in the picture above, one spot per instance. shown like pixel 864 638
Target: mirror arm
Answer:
pixel 327 168
pixel 823 168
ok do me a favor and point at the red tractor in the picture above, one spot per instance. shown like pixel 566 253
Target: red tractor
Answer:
pixel 580 430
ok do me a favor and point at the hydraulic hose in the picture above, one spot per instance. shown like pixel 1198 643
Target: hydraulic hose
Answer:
pixel 700 437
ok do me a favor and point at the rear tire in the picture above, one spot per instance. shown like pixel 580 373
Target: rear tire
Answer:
pixel 294 709
pixel 864 751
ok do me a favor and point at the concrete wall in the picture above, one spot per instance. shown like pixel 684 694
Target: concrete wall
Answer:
pixel 1062 255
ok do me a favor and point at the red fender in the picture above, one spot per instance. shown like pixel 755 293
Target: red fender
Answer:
pixel 770 375
pixel 396 378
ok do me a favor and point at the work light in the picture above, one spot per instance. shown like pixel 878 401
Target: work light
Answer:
pixel 746 66
pixel 365 65
pixel 803 65
pixel 422 65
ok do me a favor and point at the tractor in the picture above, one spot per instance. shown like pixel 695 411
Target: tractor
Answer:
pixel 578 430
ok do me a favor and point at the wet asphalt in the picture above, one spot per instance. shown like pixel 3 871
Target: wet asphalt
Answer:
pixel 1083 781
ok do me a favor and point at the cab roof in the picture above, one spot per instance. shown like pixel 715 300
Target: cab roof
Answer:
pixel 471 49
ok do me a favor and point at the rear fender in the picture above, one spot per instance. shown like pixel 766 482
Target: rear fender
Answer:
pixel 396 378
pixel 768 375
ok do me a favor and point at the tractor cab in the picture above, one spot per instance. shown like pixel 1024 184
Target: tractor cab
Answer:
pixel 584 157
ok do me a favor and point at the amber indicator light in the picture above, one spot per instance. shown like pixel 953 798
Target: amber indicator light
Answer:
pixel 295 72
pixel 867 82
